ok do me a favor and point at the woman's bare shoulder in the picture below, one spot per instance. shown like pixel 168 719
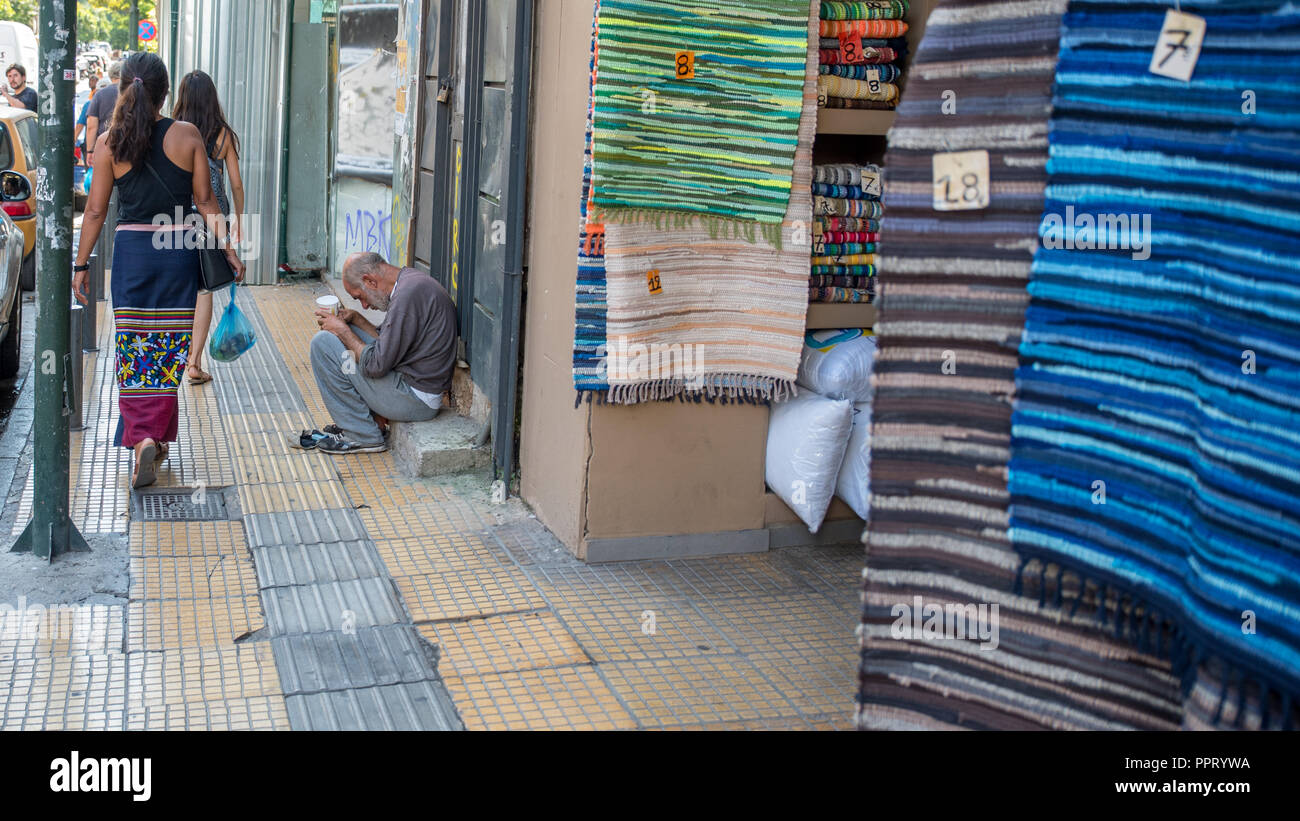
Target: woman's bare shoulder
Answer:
pixel 184 130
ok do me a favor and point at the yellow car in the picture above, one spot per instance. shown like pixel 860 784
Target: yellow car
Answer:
pixel 18 130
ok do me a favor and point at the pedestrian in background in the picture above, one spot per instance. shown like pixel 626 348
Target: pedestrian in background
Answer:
pixel 156 164
pixel 197 103
pixel 23 96
pixel 100 113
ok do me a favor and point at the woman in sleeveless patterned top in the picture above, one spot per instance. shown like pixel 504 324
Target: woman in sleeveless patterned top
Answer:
pixel 197 103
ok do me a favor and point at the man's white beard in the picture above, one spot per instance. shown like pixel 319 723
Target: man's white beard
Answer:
pixel 378 300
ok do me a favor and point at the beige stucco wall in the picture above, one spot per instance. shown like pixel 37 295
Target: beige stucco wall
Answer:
pixel 553 439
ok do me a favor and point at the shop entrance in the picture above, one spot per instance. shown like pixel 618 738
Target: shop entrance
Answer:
pixel 469 220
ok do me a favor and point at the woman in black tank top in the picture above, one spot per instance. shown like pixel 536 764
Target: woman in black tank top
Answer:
pixel 155 271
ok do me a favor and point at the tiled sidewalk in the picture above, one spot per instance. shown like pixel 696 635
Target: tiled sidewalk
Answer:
pixel 216 635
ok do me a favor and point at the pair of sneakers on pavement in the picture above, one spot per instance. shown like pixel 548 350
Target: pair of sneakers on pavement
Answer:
pixel 333 440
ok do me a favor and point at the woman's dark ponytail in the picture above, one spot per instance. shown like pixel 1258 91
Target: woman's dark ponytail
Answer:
pixel 141 92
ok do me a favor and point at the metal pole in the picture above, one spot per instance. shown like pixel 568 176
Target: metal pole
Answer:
pixel 51 532
pixel 77 315
pixel 94 286
pixel 134 33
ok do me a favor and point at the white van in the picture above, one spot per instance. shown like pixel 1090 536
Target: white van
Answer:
pixel 18 45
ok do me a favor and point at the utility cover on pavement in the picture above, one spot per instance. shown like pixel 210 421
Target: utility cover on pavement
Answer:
pixel 185 505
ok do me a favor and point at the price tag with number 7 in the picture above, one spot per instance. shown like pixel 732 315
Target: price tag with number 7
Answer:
pixel 1179 46
pixel 961 180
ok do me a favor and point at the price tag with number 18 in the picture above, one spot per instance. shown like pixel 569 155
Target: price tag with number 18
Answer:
pixel 961 180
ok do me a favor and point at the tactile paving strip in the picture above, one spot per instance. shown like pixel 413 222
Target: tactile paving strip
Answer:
pixel 364 657
pixel 329 606
pixel 422 705
pixel 284 565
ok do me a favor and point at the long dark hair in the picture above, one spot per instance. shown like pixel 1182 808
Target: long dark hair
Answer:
pixel 142 89
pixel 197 103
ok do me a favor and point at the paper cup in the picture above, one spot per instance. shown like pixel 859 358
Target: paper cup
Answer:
pixel 329 303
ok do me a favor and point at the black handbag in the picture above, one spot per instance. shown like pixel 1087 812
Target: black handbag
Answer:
pixel 215 270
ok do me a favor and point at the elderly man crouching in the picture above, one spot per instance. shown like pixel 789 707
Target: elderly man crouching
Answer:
pixel 398 371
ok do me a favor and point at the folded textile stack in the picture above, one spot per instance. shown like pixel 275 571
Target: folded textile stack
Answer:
pixel 861 49
pixel 846 232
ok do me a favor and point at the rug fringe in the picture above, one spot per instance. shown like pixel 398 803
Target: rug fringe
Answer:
pixel 717 227
pixel 720 389
pixel 1185 653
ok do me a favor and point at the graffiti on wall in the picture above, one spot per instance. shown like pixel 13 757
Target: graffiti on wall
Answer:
pixel 367 229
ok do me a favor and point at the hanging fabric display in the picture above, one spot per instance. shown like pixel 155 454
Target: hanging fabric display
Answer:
pixel 945 642
pixel 589 310
pixel 697 107
pixel 699 316
pixel 1155 447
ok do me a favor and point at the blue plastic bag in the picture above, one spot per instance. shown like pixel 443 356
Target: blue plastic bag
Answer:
pixel 234 334
pixel 89 175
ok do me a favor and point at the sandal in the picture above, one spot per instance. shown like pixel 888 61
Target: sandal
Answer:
pixel 146 466
pixel 201 378
pixel 163 452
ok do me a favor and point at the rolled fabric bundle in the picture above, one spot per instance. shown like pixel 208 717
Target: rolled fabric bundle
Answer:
pixel 846 259
pixel 898 44
pixel 833 281
pixel 832 249
pixel 848 192
pixel 857 71
pixel 836 207
pixel 832 222
pixel 844 270
pixel 855 89
pixel 870 56
pixel 841 10
pixel 866 28
pixel 841 295
pixel 861 105
pixel 850 236
pixel 845 173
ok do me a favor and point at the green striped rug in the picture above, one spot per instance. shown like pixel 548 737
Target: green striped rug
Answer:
pixel 719 145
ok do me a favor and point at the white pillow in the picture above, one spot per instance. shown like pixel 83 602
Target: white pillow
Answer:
pixel 854 482
pixel 837 363
pixel 806 437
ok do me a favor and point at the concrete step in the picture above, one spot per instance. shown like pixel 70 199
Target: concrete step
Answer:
pixel 441 446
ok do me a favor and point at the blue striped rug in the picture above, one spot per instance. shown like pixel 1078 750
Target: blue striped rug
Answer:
pixel 1156 430
pixel 589 369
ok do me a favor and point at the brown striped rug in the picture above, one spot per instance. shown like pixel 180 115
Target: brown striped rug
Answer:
pixel 952 288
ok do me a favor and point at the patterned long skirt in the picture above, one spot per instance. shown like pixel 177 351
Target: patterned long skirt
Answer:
pixel 154 290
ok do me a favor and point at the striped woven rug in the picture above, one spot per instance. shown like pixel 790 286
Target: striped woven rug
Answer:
pixel 589 293
pixel 726 313
pixel 1156 436
pixel 953 291
pixel 718 142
